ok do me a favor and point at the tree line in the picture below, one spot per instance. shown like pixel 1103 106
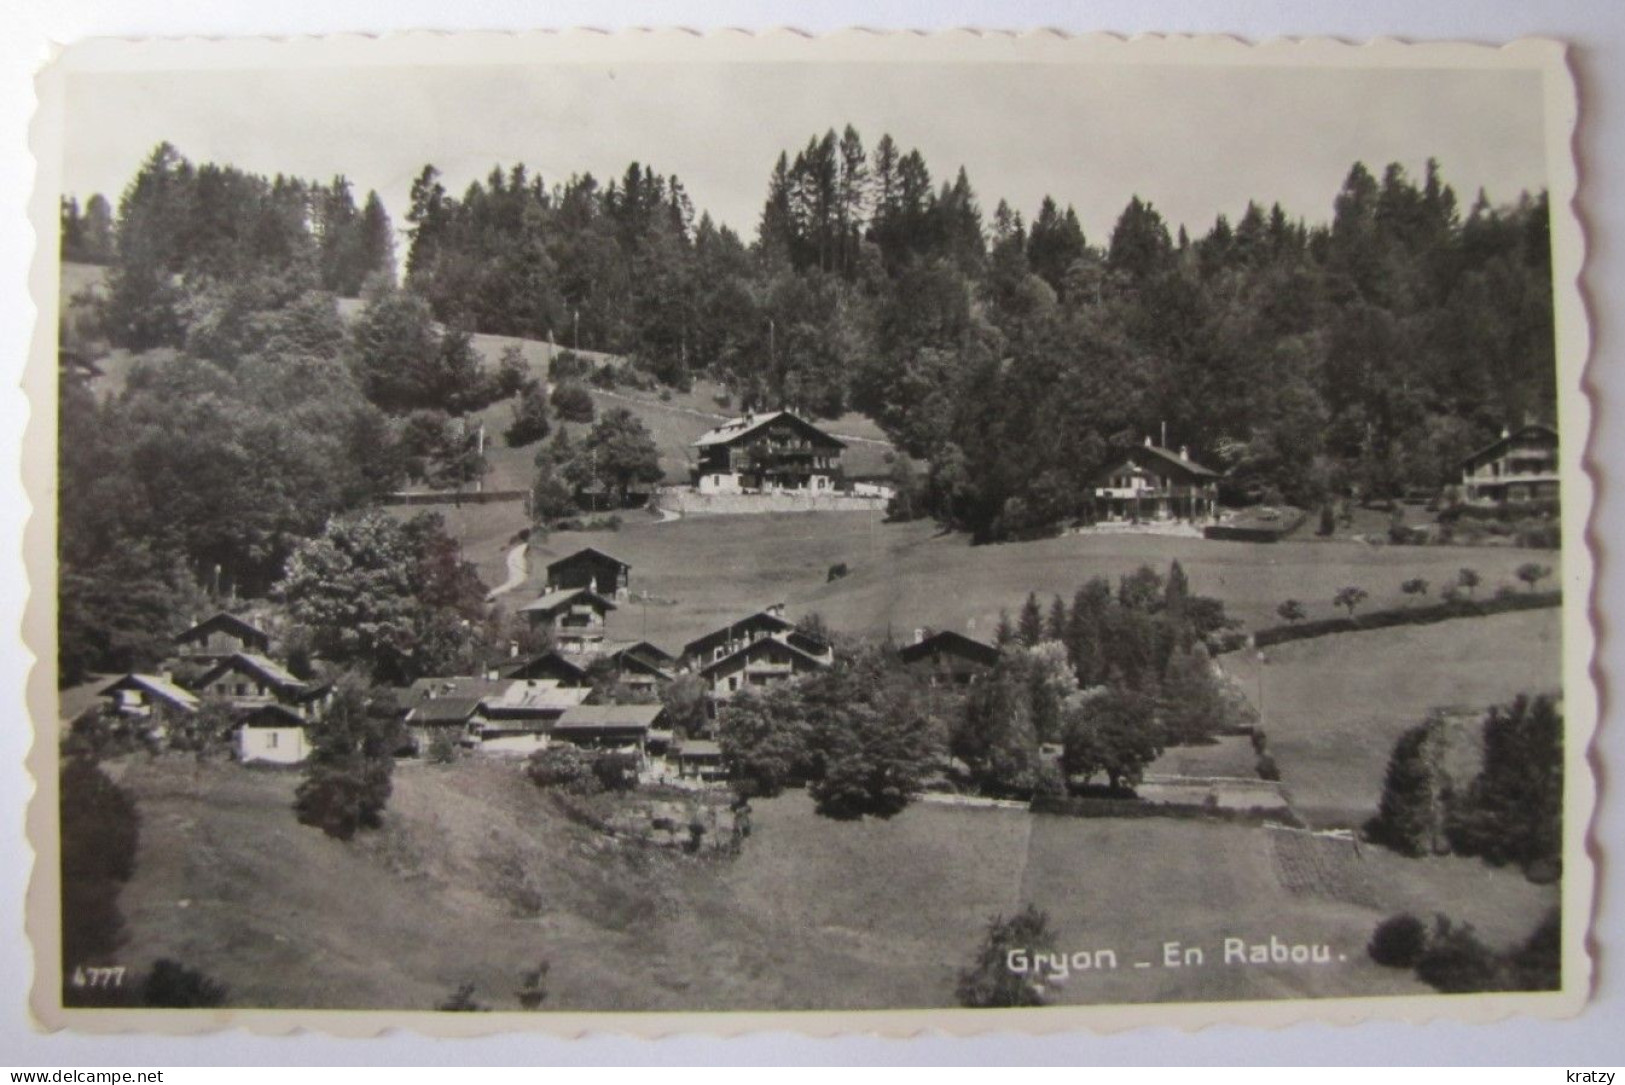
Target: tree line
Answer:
pixel 1363 355
pixel 1081 696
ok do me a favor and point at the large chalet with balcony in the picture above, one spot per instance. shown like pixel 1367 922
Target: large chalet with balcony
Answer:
pixel 767 453
pixel 1149 483
pixel 1520 466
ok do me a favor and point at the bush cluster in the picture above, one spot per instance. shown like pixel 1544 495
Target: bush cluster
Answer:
pixel 1415 615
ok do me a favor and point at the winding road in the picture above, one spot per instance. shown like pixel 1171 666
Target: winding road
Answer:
pixel 518 570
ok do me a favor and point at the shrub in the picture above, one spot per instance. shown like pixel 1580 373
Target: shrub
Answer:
pixel 1328 521
pixel 1267 768
pixel 171 985
pixel 567 365
pixel 529 418
pixel 1537 965
pixel 604 377
pixel 564 767
pixel 615 771
pixel 1456 962
pixel 837 571
pixel 462 1001
pixel 99 826
pixel 533 986
pixel 1398 942
pixel 340 799
pixel 990 981
pixel 573 402
pixel 442 747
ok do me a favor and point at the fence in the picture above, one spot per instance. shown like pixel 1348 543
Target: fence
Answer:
pixel 455 497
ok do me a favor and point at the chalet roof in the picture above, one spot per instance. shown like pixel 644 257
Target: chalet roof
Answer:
pixel 953 642
pixel 646 650
pixel 273 715
pixel 760 617
pixel 230 623
pixel 158 687
pixel 526 698
pixel 267 671
pixel 736 429
pixel 764 643
pixel 552 659
pixel 445 710
pixel 1500 444
pixel 554 601
pixel 425 689
pixel 606 717
pixel 699 747
pixel 1157 459
pixel 588 553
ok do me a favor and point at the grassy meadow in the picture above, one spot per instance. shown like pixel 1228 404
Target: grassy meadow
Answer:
pixel 704 569
pixel 1333 706
pixel 477 875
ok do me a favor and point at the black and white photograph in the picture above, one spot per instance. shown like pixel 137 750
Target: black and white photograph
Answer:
pixel 560 526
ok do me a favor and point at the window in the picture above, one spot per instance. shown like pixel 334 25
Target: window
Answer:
pixel 270 740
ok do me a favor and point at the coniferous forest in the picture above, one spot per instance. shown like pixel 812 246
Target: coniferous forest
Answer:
pixel 1006 353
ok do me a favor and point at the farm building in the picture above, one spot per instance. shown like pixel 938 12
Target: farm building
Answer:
pixel 459 715
pixel 1153 483
pixel 763 662
pixel 148 696
pixel 624 727
pixel 1519 466
pixel 592 569
pixel 247 681
pixel 521 718
pixel 273 733
pixel 760 453
pixel 576 617
pixel 948 658
pixel 700 759
pixel 220 636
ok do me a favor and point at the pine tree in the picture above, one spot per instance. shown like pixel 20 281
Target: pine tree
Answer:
pixel 1406 818
pixel 1030 623
pixel 1056 624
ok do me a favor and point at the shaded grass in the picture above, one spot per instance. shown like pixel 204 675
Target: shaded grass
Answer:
pixel 1333 706
pixel 477 876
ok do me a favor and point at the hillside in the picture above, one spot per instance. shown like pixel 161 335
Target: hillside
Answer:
pixel 909 575
pixel 477 876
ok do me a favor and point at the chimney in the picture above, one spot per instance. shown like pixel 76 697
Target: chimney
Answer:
pixel 1184 452
pixel 1506 432
pixel 775 609
pixel 1148 440
pixel 167 675
pixel 513 649
pixel 919 635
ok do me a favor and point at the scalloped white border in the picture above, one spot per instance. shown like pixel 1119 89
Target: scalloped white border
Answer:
pixel 428 48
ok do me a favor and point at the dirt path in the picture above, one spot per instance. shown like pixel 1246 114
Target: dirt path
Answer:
pixel 518 571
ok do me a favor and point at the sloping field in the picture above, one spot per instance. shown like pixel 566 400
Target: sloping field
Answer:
pixel 477 876
pixel 1134 886
pixel 904 576
pixel 946 582
pixel 1333 706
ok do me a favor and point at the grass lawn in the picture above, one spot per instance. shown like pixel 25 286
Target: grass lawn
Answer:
pixel 706 569
pixel 477 876
pixel 1333 706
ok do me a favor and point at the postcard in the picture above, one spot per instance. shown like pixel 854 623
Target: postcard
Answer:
pixel 672 532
